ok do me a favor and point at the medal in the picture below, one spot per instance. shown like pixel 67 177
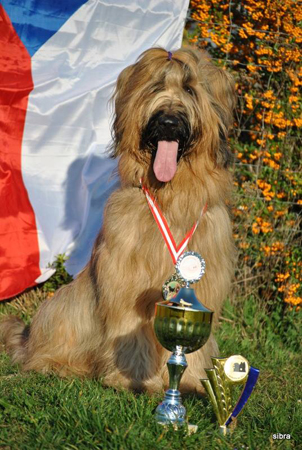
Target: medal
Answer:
pixel 172 286
pixel 190 267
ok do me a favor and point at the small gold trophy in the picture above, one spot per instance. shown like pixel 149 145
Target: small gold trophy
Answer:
pixel 182 325
pixel 226 373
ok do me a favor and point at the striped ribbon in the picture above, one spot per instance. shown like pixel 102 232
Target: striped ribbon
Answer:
pixel 175 251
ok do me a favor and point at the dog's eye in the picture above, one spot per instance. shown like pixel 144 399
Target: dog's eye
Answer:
pixel 189 90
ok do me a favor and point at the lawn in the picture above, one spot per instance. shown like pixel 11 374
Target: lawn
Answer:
pixel 46 412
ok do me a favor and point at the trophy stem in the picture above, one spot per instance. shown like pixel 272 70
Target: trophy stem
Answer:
pixel 171 410
pixel 177 364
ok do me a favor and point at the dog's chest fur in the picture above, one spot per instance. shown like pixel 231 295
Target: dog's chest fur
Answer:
pixel 134 259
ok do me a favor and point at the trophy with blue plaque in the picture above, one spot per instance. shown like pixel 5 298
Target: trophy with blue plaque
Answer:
pixel 226 373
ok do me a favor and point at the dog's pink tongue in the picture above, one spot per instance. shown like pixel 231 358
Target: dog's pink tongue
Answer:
pixel 165 163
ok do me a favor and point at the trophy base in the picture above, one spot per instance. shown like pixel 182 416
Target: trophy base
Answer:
pixel 190 428
pixel 171 411
pixel 224 430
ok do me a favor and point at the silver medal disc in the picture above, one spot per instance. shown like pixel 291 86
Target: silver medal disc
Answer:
pixel 190 267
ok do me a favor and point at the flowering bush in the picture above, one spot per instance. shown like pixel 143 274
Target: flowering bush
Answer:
pixel 259 42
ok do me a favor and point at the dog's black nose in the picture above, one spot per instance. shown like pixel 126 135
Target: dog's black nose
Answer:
pixel 168 120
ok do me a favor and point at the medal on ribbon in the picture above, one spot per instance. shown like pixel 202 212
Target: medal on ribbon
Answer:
pixel 189 266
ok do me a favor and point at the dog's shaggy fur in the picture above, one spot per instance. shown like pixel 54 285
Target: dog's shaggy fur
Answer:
pixel 102 323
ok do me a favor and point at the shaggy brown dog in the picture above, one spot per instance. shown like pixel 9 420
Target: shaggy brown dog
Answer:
pixel 172 116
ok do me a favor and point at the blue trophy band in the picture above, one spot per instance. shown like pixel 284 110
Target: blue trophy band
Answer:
pixel 249 386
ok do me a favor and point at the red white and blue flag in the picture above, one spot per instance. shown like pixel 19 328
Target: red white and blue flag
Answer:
pixel 59 60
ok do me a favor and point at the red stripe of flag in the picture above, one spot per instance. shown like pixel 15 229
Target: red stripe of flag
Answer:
pixel 19 250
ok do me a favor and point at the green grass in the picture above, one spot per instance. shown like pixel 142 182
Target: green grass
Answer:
pixel 46 412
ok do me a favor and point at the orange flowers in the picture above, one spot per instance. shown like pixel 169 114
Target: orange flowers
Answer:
pixel 281 277
pixel 266 189
pixel 276 248
pixel 260 43
pixel 261 225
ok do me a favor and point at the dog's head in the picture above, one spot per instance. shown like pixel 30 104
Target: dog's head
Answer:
pixel 170 106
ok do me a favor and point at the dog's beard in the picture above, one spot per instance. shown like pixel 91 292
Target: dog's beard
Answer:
pixel 168 137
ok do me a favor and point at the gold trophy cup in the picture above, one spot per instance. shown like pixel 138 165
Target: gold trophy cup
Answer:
pixel 182 325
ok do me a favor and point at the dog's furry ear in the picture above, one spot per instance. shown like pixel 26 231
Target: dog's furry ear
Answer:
pixel 217 82
pixel 221 86
pixel 221 89
pixel 123 83
pixel 124 87
pixel 223 92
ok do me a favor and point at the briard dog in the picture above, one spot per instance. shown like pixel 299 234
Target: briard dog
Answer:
pixel 172 117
